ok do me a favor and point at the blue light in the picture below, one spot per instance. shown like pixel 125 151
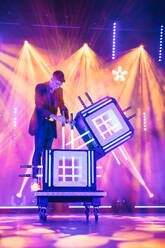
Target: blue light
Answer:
pixel 114 41
pixel 160 42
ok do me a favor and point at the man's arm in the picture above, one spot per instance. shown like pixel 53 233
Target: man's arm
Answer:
pixel 40 91
pixel 63 108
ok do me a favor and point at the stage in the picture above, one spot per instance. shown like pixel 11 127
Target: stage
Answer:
pixel 109 153
pixel 72 231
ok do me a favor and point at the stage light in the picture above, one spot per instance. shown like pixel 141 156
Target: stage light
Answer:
pixel 85 45
pixel 19 195
pixel 119 74
pixel 141 47
pixel 114 41
pixel 151 195
pixel 26 43
pixel 160 43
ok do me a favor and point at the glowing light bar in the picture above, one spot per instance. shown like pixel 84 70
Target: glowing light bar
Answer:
pixel 46 166
pixel 19 207
pixel 93 172
pixel 115 145
pixel 115 141
pixel 89 170
pixel 149 207
pixel 138 176
pixel 115 157
pixel 49 165
pixel 96 104
pixel 77 138
pixel 63 137
pixel 161 42
pixel 14 124
pixel 90 206
pixel 124 155
pixel 89 141
pixel 114 41
pixel 144 122
pixel 15 117
pixel 63 169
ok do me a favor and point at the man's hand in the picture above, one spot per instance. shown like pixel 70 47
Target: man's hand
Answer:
pixel 59 118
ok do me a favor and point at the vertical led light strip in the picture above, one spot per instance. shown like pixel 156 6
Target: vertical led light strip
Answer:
pixel 46 166
pixel 63 136
pixel 144 122
pixel 14 124
pixel 92 162
pixel 114 41
pixel 73 175
pixel 63 169
pixel 49 183
pixel 15 117
pixel 89 169
pixel 161 42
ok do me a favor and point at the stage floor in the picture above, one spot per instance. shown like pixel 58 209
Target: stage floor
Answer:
pixel 72 231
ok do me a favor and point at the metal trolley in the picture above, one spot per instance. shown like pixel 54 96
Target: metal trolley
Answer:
pixel 68 176
pixel 88 198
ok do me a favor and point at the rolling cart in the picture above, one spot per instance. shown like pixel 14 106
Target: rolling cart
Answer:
pixel 88 198
pixel 68 176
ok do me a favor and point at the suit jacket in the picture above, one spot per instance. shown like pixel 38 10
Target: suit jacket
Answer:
pixel 46 103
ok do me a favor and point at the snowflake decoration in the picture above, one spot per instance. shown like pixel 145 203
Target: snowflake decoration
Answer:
pixel 119 75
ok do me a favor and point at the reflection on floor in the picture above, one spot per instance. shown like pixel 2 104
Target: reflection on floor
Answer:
pixel 72 231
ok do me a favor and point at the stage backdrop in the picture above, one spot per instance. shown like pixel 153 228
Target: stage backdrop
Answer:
pixel 141 86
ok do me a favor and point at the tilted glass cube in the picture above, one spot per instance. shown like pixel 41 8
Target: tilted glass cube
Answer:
pixel 105 125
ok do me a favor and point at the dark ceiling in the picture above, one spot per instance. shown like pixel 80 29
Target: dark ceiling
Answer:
pixel 139 22
pixel 134 13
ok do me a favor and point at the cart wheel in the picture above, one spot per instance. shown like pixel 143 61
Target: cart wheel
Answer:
pixel 42 214
pixel 96 211
pixel 87 213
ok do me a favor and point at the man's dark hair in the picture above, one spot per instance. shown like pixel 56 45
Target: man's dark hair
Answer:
pixel 59 75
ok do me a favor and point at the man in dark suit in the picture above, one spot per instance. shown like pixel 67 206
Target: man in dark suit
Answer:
pixel 48 98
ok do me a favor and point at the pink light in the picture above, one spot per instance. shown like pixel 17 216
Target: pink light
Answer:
pixel 137 174
pixel 151 195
